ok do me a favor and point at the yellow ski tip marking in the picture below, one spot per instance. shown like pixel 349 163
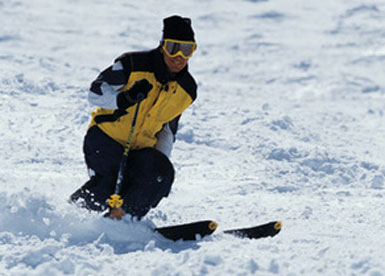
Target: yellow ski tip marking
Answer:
pixel 278 225
pixel 115 201
pixel 213 225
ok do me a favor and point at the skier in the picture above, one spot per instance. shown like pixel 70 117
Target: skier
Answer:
pixel 159 80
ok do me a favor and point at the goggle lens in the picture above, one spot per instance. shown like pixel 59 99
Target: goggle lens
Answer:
pixel 173 47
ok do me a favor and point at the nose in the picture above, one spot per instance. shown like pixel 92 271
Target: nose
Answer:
pixel 180 58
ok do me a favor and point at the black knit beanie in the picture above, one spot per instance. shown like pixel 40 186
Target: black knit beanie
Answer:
pixel 177 27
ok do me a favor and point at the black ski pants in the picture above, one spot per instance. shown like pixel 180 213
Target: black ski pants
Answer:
pixel 148 175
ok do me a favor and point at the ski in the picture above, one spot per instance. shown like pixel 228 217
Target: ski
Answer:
pixel 188 231
pixel 260 231
pixel 196 230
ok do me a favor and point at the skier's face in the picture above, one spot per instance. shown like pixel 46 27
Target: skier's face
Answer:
pixel 174 64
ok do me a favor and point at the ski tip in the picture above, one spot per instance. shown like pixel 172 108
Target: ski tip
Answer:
pixel 278 225
pixel 212 225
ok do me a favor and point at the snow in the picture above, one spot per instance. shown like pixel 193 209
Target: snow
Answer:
pixel 288 125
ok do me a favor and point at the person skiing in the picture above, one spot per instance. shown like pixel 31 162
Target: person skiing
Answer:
pixel 159 81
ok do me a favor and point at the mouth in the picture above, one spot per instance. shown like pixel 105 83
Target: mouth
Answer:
pixel 178 62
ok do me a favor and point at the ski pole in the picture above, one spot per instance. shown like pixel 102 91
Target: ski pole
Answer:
pixel 115 201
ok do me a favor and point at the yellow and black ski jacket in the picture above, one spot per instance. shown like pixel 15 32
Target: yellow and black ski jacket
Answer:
pixel 170 96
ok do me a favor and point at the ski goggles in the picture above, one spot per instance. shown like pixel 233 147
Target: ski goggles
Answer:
pixel 174 47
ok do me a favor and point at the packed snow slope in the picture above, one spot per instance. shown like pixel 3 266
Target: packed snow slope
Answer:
pixel 288 125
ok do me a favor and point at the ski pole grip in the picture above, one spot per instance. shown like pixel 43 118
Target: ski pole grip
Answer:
pixel 140 97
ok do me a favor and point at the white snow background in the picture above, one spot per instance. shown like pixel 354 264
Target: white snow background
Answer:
pixel 288 125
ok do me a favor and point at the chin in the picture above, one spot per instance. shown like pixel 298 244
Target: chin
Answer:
pixel 176 70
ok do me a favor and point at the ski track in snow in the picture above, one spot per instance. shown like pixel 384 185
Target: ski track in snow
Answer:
pixel 288 125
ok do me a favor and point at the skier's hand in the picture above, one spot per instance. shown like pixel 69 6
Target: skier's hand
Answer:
pixel 138 91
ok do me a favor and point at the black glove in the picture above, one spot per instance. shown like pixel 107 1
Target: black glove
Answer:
pixel 138 91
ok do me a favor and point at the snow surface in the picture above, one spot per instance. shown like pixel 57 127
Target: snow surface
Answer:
pixel 288 125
